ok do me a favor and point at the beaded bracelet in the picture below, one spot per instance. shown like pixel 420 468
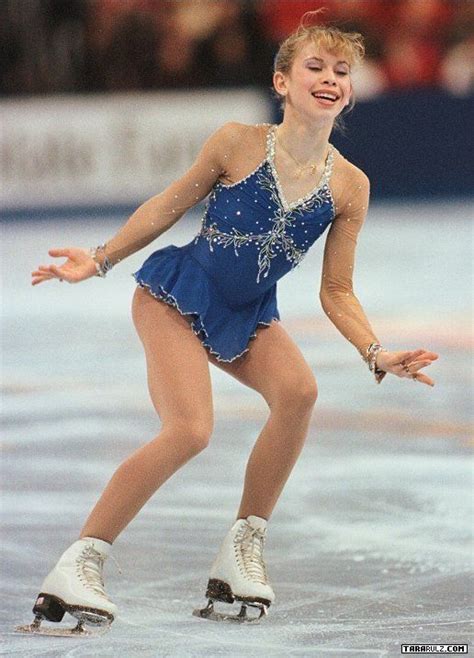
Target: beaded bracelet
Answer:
pixel 105 266
pixel 370 358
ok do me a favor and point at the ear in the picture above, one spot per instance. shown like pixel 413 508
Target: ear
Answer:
pixel 279 83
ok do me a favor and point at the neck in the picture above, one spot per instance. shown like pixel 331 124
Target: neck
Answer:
pixel 306 141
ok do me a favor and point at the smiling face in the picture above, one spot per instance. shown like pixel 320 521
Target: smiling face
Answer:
pixel 318 83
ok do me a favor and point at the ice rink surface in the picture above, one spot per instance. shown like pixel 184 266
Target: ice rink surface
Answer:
pixel 370 544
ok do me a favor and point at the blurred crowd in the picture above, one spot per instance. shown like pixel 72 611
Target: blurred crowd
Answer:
pixel 54 46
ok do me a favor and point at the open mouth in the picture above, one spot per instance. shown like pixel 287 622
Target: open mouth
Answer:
pixel 326 97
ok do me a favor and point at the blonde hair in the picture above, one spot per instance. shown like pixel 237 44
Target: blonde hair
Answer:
pixel 332 39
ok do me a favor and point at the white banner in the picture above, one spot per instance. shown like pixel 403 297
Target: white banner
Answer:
pixel 121 148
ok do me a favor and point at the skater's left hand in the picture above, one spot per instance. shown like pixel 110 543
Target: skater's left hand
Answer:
pixel 407 364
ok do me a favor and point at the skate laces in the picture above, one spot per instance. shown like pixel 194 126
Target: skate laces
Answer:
pixel 90 569
pixel 249 544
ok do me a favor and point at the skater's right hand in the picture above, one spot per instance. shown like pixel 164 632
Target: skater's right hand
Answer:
pixel 79 266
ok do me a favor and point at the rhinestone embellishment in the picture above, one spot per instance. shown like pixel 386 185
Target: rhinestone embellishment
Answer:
pixel 285 214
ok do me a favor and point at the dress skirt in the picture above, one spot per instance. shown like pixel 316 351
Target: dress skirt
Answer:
pixel 172 275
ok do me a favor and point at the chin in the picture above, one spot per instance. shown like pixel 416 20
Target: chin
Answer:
pixel 323 117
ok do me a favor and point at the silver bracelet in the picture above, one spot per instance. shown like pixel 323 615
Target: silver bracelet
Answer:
pixel 370 359
pixel 105 266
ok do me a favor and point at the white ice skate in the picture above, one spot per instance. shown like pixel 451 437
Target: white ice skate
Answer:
pixel 239 573
pixel 76 586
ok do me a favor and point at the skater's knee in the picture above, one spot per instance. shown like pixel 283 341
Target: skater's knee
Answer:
pixel 193 433
pixel 308 393
pixel 198 436
pixel 298 393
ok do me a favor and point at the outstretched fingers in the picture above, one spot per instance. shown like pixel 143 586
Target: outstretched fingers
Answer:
pixel 412 367
pixel 417 365
pixel 57 253
pixel 423 357
pixel 407 358
pixel 55 270
pixel 52 271
pixel 45 273
pixel 39 278
pixel 424 379
pixel 409 363
pixel 425 354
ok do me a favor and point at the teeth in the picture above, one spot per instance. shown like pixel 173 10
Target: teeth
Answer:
pixel 328 96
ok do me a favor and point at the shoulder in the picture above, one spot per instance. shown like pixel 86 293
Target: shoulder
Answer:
pixel 350 187
pixel 223 140
pixel 236 141
pixel 352 175
pixel 233 131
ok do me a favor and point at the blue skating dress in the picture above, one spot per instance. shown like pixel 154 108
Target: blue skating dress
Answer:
pixel 226 277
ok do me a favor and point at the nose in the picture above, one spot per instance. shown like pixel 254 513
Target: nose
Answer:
pixel 328 77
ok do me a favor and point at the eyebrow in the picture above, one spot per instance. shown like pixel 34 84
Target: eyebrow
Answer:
pixel 318 59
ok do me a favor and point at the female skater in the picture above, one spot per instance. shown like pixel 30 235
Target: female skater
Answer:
pixel 274 189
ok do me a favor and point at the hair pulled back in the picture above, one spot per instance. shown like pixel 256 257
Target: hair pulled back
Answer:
pixel 337 42
pixel 332 39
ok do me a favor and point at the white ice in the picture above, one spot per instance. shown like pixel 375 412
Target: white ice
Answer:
pixel 370 544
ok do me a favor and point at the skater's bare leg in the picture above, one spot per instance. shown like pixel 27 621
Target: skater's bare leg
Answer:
pixel 276 368
pixel 180 389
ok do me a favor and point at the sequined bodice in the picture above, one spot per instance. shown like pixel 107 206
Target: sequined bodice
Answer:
pixel 251 236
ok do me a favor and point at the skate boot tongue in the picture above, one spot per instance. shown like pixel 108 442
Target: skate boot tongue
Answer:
pixel 257 523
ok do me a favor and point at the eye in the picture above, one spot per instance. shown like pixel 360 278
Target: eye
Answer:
pixel 342 72
pixel 315 68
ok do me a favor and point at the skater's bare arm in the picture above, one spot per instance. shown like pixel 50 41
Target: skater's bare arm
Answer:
pixel 153 217
pixel 337 295
pixel 160 212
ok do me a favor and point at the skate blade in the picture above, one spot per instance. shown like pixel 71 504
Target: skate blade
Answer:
pixel 35 628
pixel 50 630
pixel 241 618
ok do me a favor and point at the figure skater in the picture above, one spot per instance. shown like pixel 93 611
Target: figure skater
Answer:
pixel 273 191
